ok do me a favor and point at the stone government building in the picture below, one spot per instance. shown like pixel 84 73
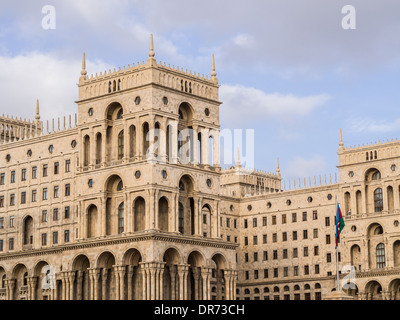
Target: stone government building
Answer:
pixel 89 210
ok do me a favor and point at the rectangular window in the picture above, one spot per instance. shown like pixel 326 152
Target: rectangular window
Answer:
pixel 235 223
pixel 285 254
pixel 315 233
pixel 255 223
pixel 56 195
pixel 55 237
pixel 246 257
pixel 255 274
pixel 328 239
pixel 275 238
pixel 1 246
pixel 305 234
pixel 67 190
pixel 296 271
pixel 55 214
pixel 228 222
pixel 264 239
pixel 294 217
pixel 23 175
pixel 316 251
pixel 304 216
pixel 56 168
pixel 34 172
pixel 12 222
pixel 295 253
pixel 255 240
pixel 284 219
pixel 44 216
pixel 315 215
pixel 306 270
pixel 67 212
pixel 3 179
pixel 228 238
pixel 34 195
pixel 276 273
pixel 1 223
pixel 265 256
pixel 255 256
pixel 245 224
pixel 275 255
pixel 12 200
pixel 328 258
pixel 11 243
pixel 45 194
pixel 247 275
pixel 327 222
pixel 23 197
pixel 66 236
pixel 264 221
pixel 12 176
pixel 317 269
pixel 246 241
pixel 294 235
pixel 67 166
pixel 2 202
pixel 273 220
pixel 286 272
pixel 265 273
pixel 45 168
pixel 306 251
pixel 44 239
pixel 284 236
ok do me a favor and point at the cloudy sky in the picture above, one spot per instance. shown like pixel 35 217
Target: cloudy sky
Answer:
pixel 287 68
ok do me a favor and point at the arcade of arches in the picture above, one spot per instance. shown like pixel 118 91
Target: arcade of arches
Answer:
pixel 175 278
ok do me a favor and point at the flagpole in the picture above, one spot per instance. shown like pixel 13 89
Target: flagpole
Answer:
pixel 337 251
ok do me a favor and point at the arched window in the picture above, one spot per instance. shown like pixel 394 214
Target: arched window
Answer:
pixel 256 291
pixel 276 289
pixel 121 218
pixel 376 155
pixel 120 186
pixel 380 256
pixel 266 290
pixel 376 176
pixel 246 291
pixel 317 286
pixel 307 287
pixel 109 87
pixel 367 156
pixel 119 84
pixel 3 282
pixel 114 86
pixel 378 200
pixel 120 114
pixel 121 145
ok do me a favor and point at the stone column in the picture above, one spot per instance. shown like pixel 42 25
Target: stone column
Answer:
pixel 183 271
pixel 32 283
pixel 10 286
pixel 174 147
pixel 126 141
pixel 152 210
pixel 104 277
pixel 151 139
pixel 121 276
pixel 156 209
pixel 385 198
pixel 129 215
pixel 363 199
pixel 129 279
pixel 146 281
pixel 206 274
pixel 103 145
pixel 228 278
pixel 195 137
pixel 204 147
pixel 71 279
pixel 196 276
pixel 115 273
pixel 103 217
pixel 139 139
pixel 92 151
pixel 196 230
pixel 216 158
pixel 172 273
pixel 79 279
pixel 163 141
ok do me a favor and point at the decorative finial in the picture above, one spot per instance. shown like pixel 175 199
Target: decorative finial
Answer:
pixel 213 72
pixel 278 170
pixel 238 162
pixel 84 72
pixel 151 53
pixel 37 110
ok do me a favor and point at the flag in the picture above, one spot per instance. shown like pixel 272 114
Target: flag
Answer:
pixel 339 224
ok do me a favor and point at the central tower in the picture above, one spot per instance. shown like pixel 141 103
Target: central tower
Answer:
pixel 148 164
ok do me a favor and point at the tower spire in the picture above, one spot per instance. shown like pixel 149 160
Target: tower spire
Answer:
pixel 152 53
pixel 37 117
pixel 213 72
pixel 278 170
pixel 341 144
pixel 238 162
pixel 84 72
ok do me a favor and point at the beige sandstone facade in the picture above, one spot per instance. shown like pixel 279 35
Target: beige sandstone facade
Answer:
pixel 89 210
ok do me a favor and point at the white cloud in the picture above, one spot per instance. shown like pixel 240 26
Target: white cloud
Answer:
pixel 372 125
pixel 302 168
pixel 25 78
pixel 243 105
